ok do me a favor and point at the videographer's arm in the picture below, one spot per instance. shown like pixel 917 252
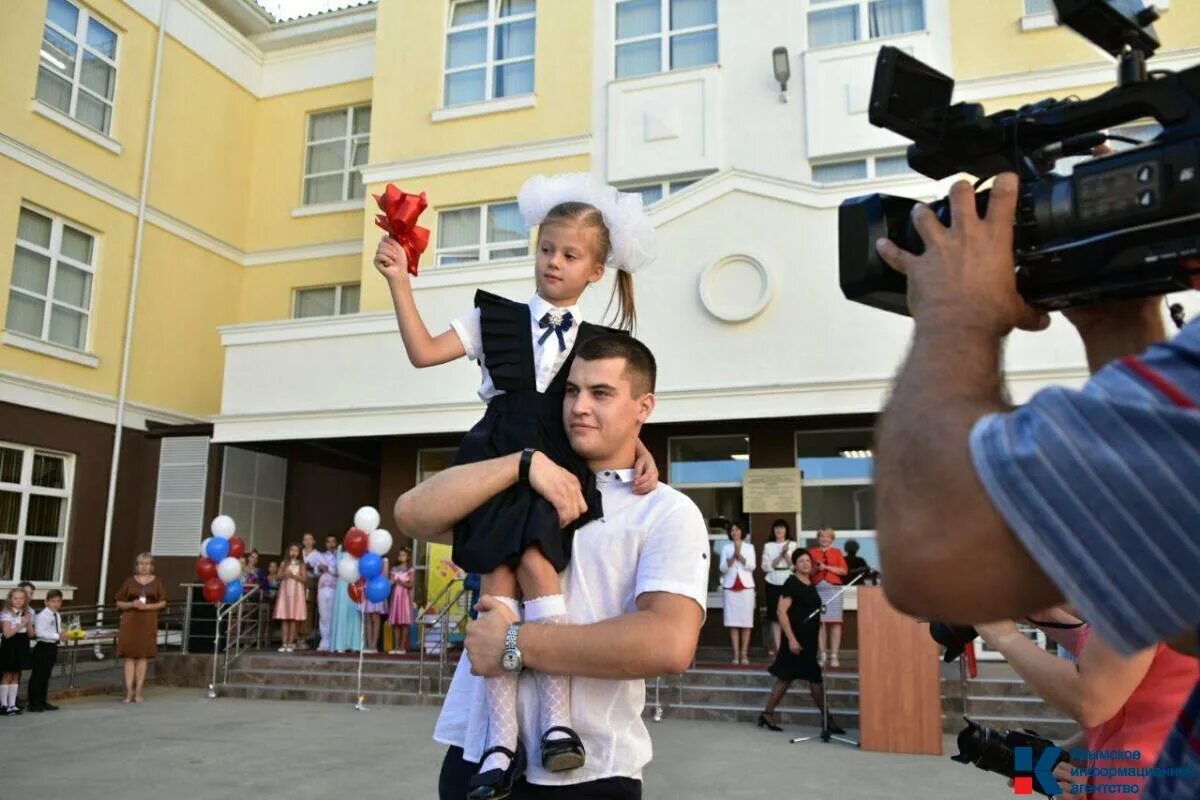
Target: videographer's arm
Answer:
pixel 933 514
pixel 1091 692
pixel 430 509
pixel 657 639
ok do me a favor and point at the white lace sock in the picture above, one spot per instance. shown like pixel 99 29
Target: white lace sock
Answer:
pixel 554 691
pixel 501 693
pixel 10 695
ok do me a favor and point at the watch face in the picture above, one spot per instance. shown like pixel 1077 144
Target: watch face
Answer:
pixel 511 661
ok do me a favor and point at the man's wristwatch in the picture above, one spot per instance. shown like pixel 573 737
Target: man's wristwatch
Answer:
pixel 511 660
pixel 526 462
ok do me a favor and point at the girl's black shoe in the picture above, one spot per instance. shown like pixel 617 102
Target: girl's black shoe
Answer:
pixel 497 784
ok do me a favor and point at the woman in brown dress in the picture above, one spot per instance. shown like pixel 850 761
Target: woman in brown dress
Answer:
pixel 140 598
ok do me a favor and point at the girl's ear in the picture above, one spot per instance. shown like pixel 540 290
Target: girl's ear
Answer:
pixel 597 273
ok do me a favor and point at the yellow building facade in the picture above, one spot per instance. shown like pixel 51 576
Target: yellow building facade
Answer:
pixel 226 159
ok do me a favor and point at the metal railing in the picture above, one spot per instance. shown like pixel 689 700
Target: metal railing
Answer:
pixel 442 623
pixel 102 624
pixel 243 626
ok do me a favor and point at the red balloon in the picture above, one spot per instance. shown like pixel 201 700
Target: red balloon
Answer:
pixel 237 548
pixel 206 568
pixel 355 542
pixel 214 590
pixel 355 590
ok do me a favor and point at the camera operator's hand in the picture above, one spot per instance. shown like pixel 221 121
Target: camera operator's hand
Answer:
pixel 1116 330
pixel 966 278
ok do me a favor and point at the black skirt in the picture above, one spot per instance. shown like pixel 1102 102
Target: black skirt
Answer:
pixel 499 531
pixel 791 667
pixel 14 653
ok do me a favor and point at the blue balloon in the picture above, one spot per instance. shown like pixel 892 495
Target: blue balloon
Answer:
pixel 217 549
pixel 233 591
pixel 378 588
pixel 370 565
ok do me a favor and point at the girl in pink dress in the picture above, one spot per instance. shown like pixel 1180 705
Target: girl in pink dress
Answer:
pixel 290 608
pixel 402 605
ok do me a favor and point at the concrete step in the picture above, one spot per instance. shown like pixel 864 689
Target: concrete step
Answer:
pixel 329 679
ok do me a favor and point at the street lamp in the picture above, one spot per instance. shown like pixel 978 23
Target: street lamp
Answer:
pixel 783 70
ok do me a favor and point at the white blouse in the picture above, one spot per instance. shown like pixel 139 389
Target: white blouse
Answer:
pixel 771 551
pixel 548 357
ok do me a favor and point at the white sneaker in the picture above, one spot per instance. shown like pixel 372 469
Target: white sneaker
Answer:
pixel 821 659
pixel 283 649
pixel 833 661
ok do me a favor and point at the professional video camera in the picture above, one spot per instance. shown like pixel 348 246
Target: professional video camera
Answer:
pixel 994 751
pixel 1120 226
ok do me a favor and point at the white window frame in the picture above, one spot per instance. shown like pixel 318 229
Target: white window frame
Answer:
pixel 351 139
pixel 872 173
pixel 667 187
pixel 54 254
pixel 26 488
pixel 665 33
pixel 864 21
pixel 484 247
pixel 337 299
pixel 79 38
pixel 490 61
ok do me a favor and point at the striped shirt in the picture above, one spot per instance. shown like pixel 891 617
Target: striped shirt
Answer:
pixel 1102 487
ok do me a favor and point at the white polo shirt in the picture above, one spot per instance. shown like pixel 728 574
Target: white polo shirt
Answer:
pixel 656 542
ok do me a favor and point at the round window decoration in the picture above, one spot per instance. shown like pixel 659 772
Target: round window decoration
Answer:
pixel 736 288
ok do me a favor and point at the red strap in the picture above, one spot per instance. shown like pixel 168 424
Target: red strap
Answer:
pixel 737 584
pixel 1159 382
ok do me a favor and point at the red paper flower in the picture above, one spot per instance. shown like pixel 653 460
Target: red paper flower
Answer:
pixel 399 218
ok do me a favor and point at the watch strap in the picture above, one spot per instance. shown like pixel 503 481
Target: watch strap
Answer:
pixel 526 462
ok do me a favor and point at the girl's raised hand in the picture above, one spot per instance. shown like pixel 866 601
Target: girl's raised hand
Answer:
pixel 391 260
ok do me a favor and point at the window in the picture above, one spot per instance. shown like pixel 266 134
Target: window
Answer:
pixel 653 192
pixel 338 144
pixel 77 73
pixel 489 50
pixel 326 301
pixel 860 169
pixel 252 492
pixel 833 22
pixel 481 233
pixel 53 268
pixel 660 35
pixel 838 488
pixel 35 501
pixel 709 470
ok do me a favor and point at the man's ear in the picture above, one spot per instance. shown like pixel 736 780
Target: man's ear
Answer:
pixel 646 404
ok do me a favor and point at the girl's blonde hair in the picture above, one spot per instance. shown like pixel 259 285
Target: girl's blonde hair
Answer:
pixel 589 216
pixel 8 606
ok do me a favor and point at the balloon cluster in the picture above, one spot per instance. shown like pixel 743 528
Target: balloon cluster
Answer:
pixel 362 569
pixel 219 565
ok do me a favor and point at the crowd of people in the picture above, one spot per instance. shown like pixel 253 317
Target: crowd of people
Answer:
pixel 831 569
pixel 316 610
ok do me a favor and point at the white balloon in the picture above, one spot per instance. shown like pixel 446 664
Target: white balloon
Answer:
pixel 348 569
pixel 379 542
pixel 204 547
pixel 223 526
pixel 230 569
pixel 366 519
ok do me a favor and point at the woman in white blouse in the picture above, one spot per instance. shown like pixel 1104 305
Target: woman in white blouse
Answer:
pixel 737 579
pixel 777 566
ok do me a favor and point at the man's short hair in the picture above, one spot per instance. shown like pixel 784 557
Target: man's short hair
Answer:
pixel 640 367
pixel 53 593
